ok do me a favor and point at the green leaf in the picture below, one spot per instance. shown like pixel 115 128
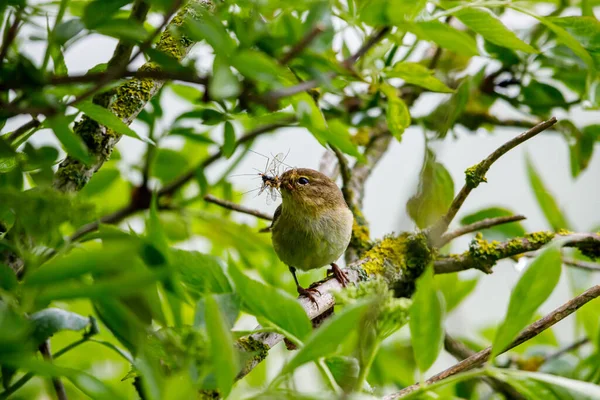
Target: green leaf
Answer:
pixel 397 114
pixel 454 290
pixel 53 320
pixel 274 305
pixel 221 350
pixel 186 92
pixel 485 23
pixel 538 385
pixel 67 30
pixel 541 97
pixel 386 12
pixel 211 29
pixel 229 142
pixel 88 384
pixel 586 30
pixel 445 36
pixel 101 181
pixel 98 11
pixel 73 143
pixel 444 117
pixel 545 199
pixel 168 164
pixel 344 370
pixel 419 75
pixel 435 193
pixel 200 273
pixel 122 28
pixel 122 322
pixel 532 290
pixel 229 305
pixel 562 36
pixel 258 66
pixel 426 321
pixel 324 342
pixel 223 84
pixel 107 118
pixel 504 231
pixel 581 144
pixel 80 262
pixel 339 136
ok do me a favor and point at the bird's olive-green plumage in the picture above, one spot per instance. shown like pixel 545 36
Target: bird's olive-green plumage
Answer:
pixel 313 225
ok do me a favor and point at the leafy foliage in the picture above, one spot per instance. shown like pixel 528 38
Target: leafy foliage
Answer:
pixel 165 304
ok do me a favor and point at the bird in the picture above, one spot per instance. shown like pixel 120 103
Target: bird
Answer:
pixel 312 226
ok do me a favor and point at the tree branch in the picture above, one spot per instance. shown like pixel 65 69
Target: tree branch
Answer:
pixel 476 174
pixel 26 127
pixel 177 183
pixel 59 388
pixel 275 95
pixel 530 332
pixel 483 255
pixel 10 36
pixel 302 44
pixel 461 352
pixel 477 226
pixel 590 266
pixel 130 99
pixel 230 205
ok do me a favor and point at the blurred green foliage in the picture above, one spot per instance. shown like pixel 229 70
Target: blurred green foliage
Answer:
pixel 130 314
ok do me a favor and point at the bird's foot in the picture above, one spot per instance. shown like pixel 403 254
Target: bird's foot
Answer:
pixel 339 274
pixel 310 293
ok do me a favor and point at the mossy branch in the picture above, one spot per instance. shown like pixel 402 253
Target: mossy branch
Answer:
pixel 126 101
pixel 483 255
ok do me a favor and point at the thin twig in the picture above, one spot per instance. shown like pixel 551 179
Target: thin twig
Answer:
pixel 59 388
pixel 275 95
pixel 299 47
pixel 10 36
pixel 346 174
pixel 372 41
pixel 230 205
pixel 32 124
pixel 531 331
pixel 479 225
pixel 565 350
pixel 176 184
pixel 587 265
pixel 59 80
pixel 460 352
pixel 188 176
pixel 476 175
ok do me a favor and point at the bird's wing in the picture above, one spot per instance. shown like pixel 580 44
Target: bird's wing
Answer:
pixel 275 216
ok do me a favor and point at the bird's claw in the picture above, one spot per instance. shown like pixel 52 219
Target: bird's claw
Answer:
pixel 339 274
pixel 310 294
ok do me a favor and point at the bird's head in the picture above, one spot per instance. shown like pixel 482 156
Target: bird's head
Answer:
pixel 305 188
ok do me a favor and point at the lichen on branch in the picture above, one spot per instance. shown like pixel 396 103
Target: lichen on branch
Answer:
pixel 126 101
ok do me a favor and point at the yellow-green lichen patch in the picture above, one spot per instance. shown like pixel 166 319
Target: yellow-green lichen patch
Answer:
pixel 474 176
pixel 72 171
pixel 564 232
pixel 361 137
pixel 258 350
pixel 400 260
pixel 386 256
pixel 360 240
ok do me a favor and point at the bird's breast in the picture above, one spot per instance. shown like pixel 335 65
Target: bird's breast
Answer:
pixel 312 241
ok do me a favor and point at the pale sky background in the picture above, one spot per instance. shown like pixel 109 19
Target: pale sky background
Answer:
pixel 394 180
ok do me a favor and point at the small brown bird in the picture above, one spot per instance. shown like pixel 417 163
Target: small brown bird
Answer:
pixel 312 226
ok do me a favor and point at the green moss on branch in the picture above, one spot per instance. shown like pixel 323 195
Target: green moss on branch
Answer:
pixel 126 101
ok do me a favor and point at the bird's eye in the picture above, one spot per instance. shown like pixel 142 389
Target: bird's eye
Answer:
pixel 303 181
